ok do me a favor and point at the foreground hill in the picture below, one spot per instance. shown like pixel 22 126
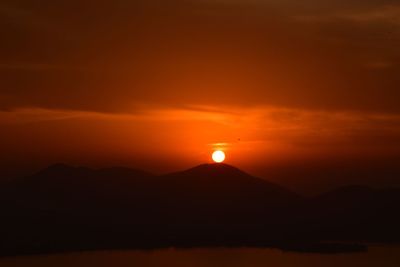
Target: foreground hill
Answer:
pixel 68 208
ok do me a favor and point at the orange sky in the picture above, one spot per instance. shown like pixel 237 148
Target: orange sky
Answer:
pixel 157 84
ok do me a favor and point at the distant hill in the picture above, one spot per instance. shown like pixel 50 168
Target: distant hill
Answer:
pixel 73 208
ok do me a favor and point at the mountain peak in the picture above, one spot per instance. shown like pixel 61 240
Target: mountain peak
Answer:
pixel 217 169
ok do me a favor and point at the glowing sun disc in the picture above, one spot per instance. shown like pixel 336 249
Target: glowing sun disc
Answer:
pixel 218 156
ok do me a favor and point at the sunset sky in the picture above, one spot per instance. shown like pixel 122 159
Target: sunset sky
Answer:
pixel 305 93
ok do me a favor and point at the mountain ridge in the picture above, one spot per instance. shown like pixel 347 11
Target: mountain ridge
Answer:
pixel 209 204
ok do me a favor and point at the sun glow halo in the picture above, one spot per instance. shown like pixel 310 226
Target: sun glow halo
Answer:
pixel 218 156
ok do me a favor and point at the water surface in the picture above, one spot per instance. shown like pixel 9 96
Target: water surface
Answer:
pixel 218 257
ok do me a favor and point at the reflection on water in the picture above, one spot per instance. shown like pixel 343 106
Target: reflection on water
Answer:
pixel 376 256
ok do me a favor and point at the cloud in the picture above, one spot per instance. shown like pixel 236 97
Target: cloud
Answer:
pixel 384 14
pixel 262 124
pixel 116 56
pixel 389 14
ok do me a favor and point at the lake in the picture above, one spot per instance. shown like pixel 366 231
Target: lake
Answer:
pixel 377 256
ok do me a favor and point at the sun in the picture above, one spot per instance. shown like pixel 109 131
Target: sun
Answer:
pixel 218 156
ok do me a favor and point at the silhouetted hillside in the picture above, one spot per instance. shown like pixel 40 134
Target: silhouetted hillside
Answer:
pixel 358 213
pixel 67 208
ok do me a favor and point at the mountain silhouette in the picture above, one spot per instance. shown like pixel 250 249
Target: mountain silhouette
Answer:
pixel 64 208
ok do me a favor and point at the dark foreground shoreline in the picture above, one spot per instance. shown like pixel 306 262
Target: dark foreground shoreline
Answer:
pixel 318 248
